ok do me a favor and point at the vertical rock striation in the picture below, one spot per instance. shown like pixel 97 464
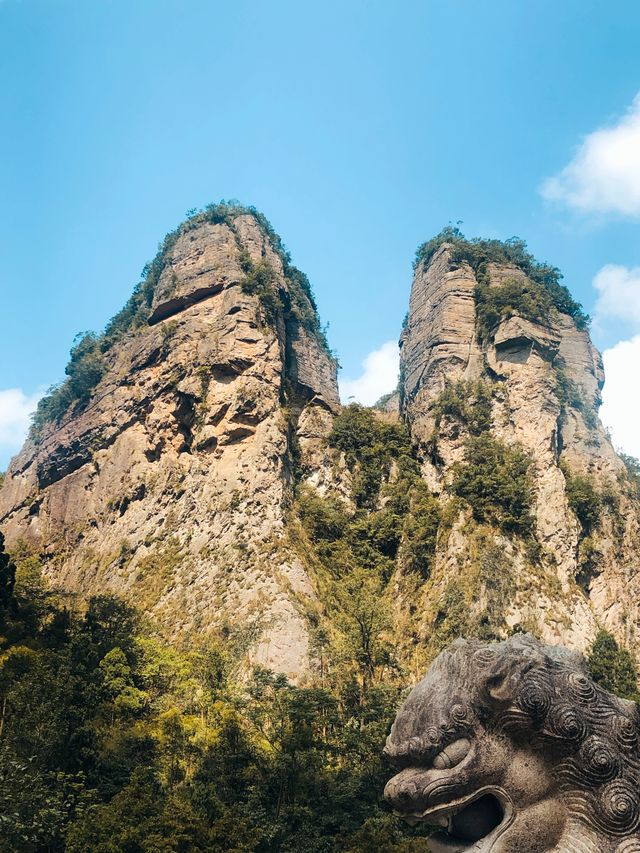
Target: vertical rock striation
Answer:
pixel 482 323
pixel 163 468
pixel 169 484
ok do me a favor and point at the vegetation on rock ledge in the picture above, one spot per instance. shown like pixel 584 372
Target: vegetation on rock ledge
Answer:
pixel 531 299
pixel 583 498
pixel 87 363
pixel 393 519
pixel 468 403
pixel 495 481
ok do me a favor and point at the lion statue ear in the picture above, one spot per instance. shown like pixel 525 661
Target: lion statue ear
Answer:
pixel 501 684
pixel 504 676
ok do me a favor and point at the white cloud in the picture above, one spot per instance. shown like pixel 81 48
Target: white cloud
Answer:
pixel 379 376
pixel 604 175
pixel 618 290
pixel 15 409
pixel 618 294
pixel 620 411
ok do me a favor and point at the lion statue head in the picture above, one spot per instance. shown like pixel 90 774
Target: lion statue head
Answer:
pixel 511 748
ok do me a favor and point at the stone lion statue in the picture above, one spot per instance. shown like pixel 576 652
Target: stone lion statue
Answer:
pixel 511 748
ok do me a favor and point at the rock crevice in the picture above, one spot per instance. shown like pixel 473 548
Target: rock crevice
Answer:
pixel 543 377
pixel 185 441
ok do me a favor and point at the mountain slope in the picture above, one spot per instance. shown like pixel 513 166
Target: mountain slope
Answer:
pixel 166 475
pixel 496 360
pixel 197 462
pixel 504 508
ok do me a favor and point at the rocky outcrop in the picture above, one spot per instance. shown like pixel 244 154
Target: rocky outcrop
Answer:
pixel 165 471
pixel 543 378
pixel 439 340
pixel 170 485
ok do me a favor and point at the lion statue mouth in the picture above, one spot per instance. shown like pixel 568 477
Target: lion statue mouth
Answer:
pixel 461 825
pixel 469 826
pixel 510 747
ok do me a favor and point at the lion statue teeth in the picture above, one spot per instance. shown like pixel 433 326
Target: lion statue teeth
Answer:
pixel 511 748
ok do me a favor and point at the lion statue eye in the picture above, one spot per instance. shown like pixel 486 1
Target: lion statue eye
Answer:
pixel 452 754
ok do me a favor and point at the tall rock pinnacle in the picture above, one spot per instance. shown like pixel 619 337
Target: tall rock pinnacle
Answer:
pixel 167 479
pixel 495 355
pixel 196 461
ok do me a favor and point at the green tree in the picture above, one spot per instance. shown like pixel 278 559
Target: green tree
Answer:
pixel 613 667
pixel 362 618
pixel 370 445
pixel 495 480
pixel 140 818
pixel 123 696
pixel 584 499
pixel 36 807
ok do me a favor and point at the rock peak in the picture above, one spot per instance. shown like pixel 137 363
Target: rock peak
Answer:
pixel 161 468
pixel 196 459
pixel 496 359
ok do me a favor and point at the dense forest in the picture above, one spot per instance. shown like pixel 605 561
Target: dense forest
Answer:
pixel 114 741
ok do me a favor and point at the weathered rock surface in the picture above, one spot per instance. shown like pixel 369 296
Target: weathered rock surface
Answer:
pixel 171 486
pixel 510 747
pixel 440 338
pixel 579 580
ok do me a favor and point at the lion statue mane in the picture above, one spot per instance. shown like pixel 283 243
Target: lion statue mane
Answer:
pixel 510 747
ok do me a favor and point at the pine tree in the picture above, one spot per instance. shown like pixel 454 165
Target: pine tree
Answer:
pixel 612 667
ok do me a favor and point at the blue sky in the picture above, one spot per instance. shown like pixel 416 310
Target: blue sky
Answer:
pixel 358 128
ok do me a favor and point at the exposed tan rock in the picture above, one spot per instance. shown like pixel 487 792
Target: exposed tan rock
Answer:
pixel 171 486
pixel 439 340
pixel 560 599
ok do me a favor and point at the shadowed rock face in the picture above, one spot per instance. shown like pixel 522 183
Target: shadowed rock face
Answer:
pixel 585 579
pixel 170 486
pixel 511 748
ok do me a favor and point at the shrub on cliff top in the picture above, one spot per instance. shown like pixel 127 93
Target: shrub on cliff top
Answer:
pixel 85 369
pixel 527 299
pixel 87 365
pixel 530 299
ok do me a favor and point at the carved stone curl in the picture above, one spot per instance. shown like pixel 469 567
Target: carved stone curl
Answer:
pixel 511 748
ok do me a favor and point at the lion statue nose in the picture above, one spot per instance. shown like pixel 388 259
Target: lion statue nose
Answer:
pixel 405 790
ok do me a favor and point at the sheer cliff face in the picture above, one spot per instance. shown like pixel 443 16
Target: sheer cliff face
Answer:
pixel 544 380
pixel 170 486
